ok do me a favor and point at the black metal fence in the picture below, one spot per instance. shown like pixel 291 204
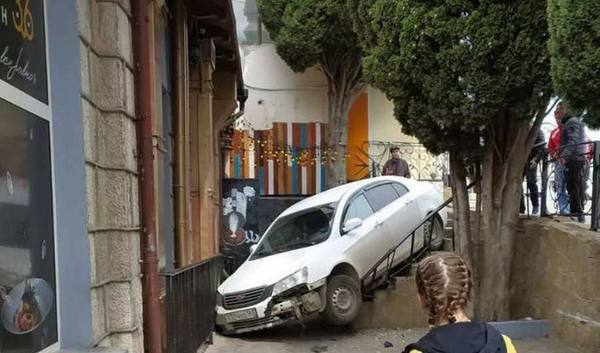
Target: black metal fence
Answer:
pixel 553 184
pixel 190 305
pixel 386 268
pixel 423 165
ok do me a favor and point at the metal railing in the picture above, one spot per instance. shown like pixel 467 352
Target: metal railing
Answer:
pixel 422 164
pixel 190 303
pixel 549 188
pixel 385 268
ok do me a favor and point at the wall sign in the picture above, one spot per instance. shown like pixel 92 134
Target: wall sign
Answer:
pixel 28 315
pixel 23 47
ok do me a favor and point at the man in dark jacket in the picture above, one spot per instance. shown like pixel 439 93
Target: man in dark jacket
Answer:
pixel 538 151
pixel 396 165
pixel 573 153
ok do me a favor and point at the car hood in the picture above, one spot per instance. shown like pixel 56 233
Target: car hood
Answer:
pixel 268 270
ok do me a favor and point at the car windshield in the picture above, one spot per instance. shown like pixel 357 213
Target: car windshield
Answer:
pixel 298 230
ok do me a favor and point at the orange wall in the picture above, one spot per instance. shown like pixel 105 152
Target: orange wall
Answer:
pixel 357 165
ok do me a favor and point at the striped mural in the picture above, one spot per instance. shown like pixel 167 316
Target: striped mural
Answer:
pixel 289 159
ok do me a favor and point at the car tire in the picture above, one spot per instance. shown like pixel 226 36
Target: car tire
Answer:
pixel 437 235
pixel 343 300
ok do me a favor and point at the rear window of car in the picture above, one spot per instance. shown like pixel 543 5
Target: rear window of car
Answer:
pixel 381 196
pixel 400 189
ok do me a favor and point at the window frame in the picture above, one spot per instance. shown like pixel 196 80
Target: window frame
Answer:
pixel 401 185
pixel 349 203
pixel 390 183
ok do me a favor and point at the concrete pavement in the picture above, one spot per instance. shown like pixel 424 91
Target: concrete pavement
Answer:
pixel 317 338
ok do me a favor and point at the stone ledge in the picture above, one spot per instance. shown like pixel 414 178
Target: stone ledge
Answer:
pixel 555 277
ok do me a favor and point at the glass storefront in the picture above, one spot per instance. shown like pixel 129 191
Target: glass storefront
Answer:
pixel 28 315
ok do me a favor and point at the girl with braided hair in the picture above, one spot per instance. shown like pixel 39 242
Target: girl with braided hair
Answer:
pixel 444 286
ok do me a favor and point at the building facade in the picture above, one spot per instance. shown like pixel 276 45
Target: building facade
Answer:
pixel 110 171
pixel 282 104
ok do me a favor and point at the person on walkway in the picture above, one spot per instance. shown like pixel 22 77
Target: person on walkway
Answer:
pixel 573 153
pixel 560 187
pixel 396 165
pixel 444 288
pixel 538 152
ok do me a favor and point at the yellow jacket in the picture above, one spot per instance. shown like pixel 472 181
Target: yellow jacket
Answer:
pixel 510 348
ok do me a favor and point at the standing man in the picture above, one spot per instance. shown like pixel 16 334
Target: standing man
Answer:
pixel 573 153
pixel 560 187
pixel 535 156
pixel 396 165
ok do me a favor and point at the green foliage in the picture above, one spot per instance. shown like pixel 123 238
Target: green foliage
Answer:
pixel 305 31
pixel 451 67
pixel 575 51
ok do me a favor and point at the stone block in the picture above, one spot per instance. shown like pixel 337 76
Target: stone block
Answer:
pixel 93 272
pixel 136 295
pixel 84 59
pixel 90 130
pixel 91 186
pixel 132 342
pixel 98 314
pixel 119 254
pixel 112 31
pixel 99 258
pixel 130 92
pixel 116 141
pixel 135 190
pixel 135 256
pixel 119 307
pixel 116 198
pixel 107 82
pixel 84 19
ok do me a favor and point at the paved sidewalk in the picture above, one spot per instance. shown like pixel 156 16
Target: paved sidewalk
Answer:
pixel 319 338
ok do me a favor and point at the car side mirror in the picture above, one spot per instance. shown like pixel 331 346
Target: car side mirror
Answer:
pixel 352 224
pixel 252 248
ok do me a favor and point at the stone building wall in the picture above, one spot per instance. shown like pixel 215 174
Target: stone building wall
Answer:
pixel 555 277
pixel 107 98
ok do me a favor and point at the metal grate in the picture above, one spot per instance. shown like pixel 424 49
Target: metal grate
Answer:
pixel 241 325
pixel 191 295
pixel 246 298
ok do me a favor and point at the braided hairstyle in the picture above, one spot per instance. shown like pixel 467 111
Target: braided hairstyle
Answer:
pixel 444 282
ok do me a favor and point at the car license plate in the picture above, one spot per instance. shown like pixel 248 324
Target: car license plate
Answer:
pixel 241 315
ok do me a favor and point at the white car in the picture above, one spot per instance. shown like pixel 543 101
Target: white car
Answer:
pixel 313 256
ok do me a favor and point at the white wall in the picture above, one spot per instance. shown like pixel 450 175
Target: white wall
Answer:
pixel 277 94
pixel 383 126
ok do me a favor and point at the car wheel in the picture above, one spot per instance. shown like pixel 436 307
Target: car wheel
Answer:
pixel 437 233
pixel 343 300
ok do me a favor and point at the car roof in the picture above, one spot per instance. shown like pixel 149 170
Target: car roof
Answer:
pixel 336 194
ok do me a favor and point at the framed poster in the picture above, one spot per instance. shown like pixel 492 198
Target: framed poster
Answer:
pixel 240 221
pixel 28 313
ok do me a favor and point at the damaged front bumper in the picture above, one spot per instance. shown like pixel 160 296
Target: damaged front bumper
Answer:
pixel 294 304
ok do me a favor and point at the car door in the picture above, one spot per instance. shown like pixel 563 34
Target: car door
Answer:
pixel 408 217
pixel 366 241
pixel 399 216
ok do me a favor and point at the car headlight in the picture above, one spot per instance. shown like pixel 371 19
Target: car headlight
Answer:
pixel 298 277
pixel 219 299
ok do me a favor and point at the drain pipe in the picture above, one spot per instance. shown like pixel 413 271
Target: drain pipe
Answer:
pixel 142 36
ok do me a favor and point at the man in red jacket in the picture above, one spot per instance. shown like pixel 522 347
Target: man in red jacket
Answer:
pixel 560 187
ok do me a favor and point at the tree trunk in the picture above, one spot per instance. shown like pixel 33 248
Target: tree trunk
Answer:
pixel 344 78
pixel 507 147
pixel 460 205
